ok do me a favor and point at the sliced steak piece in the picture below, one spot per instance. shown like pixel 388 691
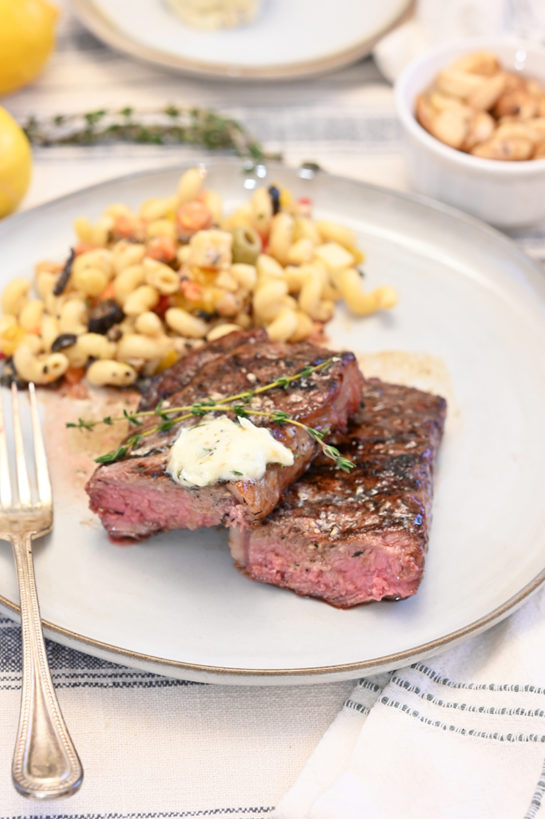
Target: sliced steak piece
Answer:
pixel 180 374
pixel 135 498
pixel 353 538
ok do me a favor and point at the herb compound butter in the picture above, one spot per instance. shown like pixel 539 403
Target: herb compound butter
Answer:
pixel 224 450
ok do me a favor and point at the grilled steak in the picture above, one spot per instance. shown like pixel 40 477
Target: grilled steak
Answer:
pixel 135 498
pixel 353 538
pixel 181 374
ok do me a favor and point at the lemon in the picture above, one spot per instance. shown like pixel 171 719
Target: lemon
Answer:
pixel 15 163
pixel 27 38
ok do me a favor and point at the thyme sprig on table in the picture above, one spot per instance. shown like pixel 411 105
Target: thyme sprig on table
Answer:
pixel 237 404
pixel 171 125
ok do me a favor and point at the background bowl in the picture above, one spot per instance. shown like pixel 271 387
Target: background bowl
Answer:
pixel 506 194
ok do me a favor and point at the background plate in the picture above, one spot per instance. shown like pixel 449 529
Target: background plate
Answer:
pixel 289 38
pixel 470 323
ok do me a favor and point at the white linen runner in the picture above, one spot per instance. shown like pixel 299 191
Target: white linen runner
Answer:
pixel 461 734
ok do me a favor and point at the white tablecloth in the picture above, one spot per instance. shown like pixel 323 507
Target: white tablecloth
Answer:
pixel 152 747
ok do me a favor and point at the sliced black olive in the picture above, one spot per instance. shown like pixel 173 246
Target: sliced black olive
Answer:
pixel 205 315
pixel 104 316
pixel 63 341
pixel 65 274
pixel 246 245
pixel 8 376
pixel 274 193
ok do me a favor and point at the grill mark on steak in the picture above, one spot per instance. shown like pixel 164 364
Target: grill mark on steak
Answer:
pixel 352 538
pixel 180 374
pixel 135 498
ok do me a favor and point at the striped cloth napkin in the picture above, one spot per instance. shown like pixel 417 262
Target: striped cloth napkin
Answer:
pixel 458 735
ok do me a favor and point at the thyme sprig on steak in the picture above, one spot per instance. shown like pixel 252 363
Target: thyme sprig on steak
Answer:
pixel 201 408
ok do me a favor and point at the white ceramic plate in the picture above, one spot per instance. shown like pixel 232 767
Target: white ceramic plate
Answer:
pixel 470 323
pixel 289 38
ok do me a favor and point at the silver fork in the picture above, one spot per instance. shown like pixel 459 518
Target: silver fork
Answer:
pixel 45 762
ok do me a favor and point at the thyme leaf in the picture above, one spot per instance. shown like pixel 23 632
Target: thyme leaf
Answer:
pixel 82 423
pixel 281 417
pixel 132 418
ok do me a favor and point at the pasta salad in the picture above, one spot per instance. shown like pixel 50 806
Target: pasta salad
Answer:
pixel 139 289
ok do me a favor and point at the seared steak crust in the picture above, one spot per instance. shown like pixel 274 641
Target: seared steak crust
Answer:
pixel 180 374
pixel 135 498
pixel 353 538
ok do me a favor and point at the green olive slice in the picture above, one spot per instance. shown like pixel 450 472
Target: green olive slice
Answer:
pixel 246 245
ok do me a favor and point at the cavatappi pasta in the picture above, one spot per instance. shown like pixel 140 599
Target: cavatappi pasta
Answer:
pixel 141 288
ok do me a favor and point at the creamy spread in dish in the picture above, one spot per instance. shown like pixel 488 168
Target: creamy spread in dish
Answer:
pixel 220 449
pixel 215 14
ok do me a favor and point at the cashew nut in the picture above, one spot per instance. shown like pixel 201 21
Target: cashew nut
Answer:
pixel 478 62
pixel 451 126
pixel 518 103
pixel 481 128
pixel 477 107
pixel 511 148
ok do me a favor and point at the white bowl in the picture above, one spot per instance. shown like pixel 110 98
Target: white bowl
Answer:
pixel 506 194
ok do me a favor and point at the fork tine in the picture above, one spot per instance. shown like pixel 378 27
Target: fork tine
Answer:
pixel 22 474
pixel 5 482
pixel 42 472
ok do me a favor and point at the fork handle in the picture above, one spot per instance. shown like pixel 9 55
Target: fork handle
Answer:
pixel 45 762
